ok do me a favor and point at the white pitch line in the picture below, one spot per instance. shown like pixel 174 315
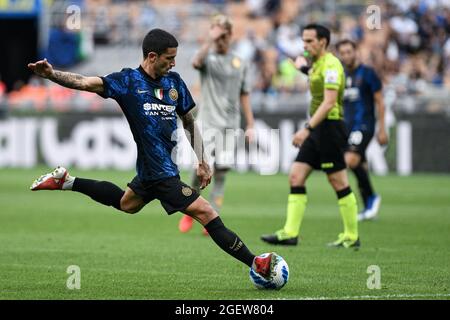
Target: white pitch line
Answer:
pixel 387 296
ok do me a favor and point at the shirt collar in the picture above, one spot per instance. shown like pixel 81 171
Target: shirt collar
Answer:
pixel 147 76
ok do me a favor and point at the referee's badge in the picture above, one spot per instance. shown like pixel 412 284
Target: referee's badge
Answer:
pixel 331 76
pixel 173 94
pixel 236 62
pixel 187 192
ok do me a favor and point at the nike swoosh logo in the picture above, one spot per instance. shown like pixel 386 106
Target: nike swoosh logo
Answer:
pixel 142 91
pixel 234 244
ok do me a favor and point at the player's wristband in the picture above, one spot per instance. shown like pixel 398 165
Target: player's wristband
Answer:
pixel 308 127
pixel 305 69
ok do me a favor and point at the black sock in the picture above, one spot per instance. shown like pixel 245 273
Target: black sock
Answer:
pixel 104 192
pixel 365 187
pixel 343 193
pixel 229 241
pixel 298 190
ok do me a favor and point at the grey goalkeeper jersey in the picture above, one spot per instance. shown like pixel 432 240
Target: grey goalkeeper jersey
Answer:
pixel 223 78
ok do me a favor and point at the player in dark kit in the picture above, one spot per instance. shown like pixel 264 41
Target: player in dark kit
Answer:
pixel 151 97
pixel 363 90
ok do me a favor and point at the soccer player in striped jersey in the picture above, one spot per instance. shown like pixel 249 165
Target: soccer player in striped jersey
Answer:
pixel 362 99
pixel 151 97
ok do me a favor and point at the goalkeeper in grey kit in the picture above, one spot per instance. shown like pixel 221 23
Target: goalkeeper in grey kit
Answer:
pixel 225 90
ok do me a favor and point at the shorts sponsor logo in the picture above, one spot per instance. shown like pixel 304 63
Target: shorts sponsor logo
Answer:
pixel 327 165
pixel 173 94
pixel 187 192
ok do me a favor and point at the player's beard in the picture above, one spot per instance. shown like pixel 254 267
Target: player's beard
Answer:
pixel 163 70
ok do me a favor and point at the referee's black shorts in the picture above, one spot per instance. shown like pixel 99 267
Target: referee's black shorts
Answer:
pixel 325 147
pixel 173 193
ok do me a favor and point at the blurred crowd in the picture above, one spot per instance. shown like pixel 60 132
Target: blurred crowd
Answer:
pixel 407 42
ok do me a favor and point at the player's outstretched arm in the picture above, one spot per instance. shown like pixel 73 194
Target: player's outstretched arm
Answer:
pixel 67 79
pixel 196 141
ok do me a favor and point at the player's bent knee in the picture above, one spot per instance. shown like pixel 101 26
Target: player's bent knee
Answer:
pixel 202 211
pixel 208 216
pixel 132 210
pixel 332 179
pixel 352 160
pixel 130 207
pixel 351 163
pixel 337 182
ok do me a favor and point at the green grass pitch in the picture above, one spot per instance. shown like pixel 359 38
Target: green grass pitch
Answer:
pixel 143 256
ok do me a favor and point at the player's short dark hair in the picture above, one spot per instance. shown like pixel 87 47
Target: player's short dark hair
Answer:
pixel 321 31
pixel 344 42
pixel 158 41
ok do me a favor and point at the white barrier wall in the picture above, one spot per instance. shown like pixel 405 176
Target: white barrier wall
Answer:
pixel 106 142
pixel 99 143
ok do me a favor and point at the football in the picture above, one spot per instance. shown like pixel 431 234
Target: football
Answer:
pixel 278 278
